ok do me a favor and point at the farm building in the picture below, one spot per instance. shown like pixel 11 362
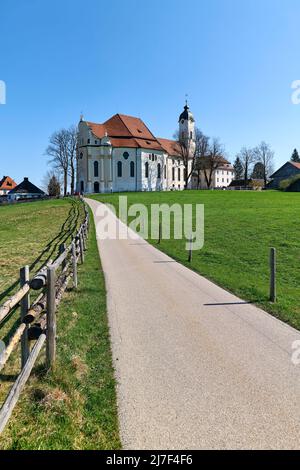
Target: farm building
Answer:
pixel 287 171
pixel 250 184
pixel 25 190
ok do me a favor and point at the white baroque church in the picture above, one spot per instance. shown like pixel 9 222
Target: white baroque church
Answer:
pixel 122 154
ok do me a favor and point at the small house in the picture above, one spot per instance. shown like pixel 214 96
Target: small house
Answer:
pixel 25 190
pixel 6 185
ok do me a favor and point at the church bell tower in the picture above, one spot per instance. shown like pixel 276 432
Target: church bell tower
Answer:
pixel 187 127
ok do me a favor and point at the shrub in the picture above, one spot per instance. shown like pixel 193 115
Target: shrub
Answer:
pixel 285 184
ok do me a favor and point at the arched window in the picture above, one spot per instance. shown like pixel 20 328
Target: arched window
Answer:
pixel 146 170
pixel 119 169
pixel 132 169
pixel 165 171
pixel 179 174
pixel 81 156
pixel 173 173
pixel 96 169
pixel 96 187
pixel 158 171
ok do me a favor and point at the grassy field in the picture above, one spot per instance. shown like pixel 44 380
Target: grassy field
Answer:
pixel 75 406
pixel 31 233
pixel 240 228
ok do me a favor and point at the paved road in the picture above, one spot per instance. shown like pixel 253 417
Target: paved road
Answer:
pixel 196 367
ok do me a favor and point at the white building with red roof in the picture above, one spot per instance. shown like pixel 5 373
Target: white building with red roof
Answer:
pixel 122 154
pixel 6 185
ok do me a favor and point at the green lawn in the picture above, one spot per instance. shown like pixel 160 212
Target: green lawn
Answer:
pixel 30 233
pixel 75 406
pixel 240 228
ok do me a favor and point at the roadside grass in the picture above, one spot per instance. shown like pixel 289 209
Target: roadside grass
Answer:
pixel 74 407
pixel 30 233
pixel 240 228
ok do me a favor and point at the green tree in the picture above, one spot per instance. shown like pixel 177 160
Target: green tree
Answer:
pixel 238 169
pixel 54 187
pixel 258 171
pixel 295 156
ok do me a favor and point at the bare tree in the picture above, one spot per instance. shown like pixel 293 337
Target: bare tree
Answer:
pixel 189 151
pixel 264 155
pixel 247 159
pixel 72 148
pixel 58 151
pixel 202 151
pixel 213 159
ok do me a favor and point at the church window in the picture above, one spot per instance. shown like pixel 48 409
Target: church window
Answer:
pixel 179 174
pixel 96 169
pixel 191 135
pixel 81 186
pixel 173 173
pixel 89 141
pixel 165 171
pixel 158 171
pixel 146 170
pixel 132 169
pixel 126 155
pixel 119 167
pixel 81 156
pixel 96 142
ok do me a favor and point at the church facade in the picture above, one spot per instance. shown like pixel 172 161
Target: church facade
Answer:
pixel 122 154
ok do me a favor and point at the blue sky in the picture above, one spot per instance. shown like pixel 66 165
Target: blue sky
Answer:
pixel 236 59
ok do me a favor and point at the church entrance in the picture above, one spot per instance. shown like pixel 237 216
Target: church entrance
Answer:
pixel 96 187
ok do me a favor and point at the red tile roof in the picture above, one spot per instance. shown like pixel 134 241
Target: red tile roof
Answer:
pixel 171 147
pixel 296 164
pixel 126 131
pixel 97 129
pixel 7 183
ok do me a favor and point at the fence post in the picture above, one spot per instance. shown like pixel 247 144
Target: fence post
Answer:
pixel 159 232
pixel 62 249
pixel 273 275
pixel 25 305
pixel 74 263
pixel 190 250
pixel 81 248
pixel 51 318
pixel 83 237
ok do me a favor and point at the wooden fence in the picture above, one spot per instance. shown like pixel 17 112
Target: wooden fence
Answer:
pixel 38 320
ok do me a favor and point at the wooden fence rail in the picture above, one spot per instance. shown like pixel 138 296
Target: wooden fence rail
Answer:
pixel 38 321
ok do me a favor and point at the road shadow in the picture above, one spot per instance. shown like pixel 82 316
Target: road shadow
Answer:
pixel 228 303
